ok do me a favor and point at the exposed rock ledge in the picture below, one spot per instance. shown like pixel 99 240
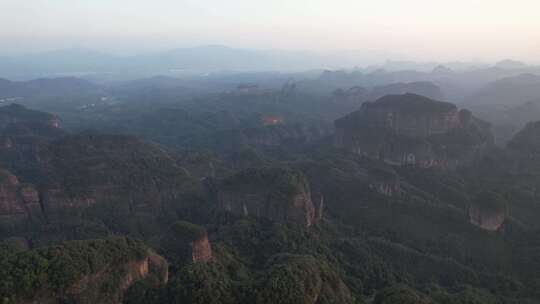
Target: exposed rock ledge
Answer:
pixel 277 194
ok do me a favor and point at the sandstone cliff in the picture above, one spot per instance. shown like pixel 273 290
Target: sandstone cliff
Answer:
pixel 18 202
pixel 412 129
pixel 76 172
pixel 186 243
pixel 84 272
pixel 16 114
pixel 276 194
pixel 488 211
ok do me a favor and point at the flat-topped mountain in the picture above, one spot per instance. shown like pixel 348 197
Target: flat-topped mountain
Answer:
pixel 412 129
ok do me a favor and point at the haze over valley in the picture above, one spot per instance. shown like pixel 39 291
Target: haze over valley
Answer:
pixel 225 152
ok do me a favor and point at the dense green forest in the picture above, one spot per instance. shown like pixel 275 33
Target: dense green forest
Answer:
pixel 254 198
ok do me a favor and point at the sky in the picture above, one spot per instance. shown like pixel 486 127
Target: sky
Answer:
pixel 419 29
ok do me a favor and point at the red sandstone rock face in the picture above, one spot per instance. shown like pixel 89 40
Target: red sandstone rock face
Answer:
pixel 201 250
pixel 303 210
pixel 297 209
pixel 135 271
pixel 17 202
pixel 491 220
pixel 412 130
pixel 152 265
pixel 277 194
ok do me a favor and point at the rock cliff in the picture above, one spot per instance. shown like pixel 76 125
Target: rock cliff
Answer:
pixel 94 271
pixel 74 173
pixel 94 167
pixel 187 243
pixel 18 202
pixel 412 129
pixel 488 211
pixel 16 114
pixel 276 194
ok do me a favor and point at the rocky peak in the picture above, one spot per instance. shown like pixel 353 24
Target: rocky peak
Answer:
pixel 277 194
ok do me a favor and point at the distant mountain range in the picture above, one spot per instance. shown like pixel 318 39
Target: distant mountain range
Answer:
pixel 202 59
pixel 62 86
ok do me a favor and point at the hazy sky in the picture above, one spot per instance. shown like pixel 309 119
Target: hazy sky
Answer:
pixel 420 29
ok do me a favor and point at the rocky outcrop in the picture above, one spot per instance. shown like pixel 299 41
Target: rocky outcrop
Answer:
pixel 412 129
pixel 18 202
pixel 77 172
pixel 201 250
pixel 17 114
pixel 384 181
pixel 16 121
pixel 186 242
pixel 409 114
pixel 487 219
pixel 152 264
pixel 93 271
pixel 488 211
pixel 280 195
